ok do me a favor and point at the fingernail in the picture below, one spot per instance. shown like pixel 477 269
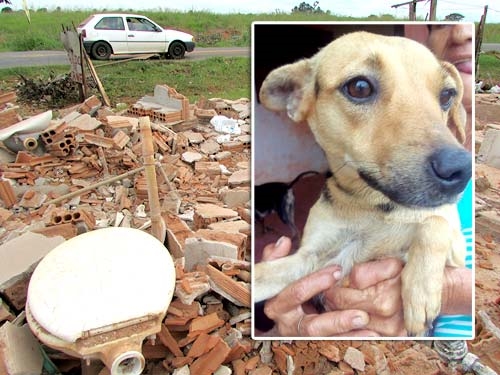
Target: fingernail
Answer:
pixel 337 275
pixel 359 322
pixel 279 242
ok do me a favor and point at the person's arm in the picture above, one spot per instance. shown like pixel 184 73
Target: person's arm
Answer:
pixel 457 291
pixel 374 288
pixel 293 317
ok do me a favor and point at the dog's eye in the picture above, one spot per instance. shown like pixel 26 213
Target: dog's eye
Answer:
pixel 358 89
pixel 446 98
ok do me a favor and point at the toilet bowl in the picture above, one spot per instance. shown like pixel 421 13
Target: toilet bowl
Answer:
pixel 100 294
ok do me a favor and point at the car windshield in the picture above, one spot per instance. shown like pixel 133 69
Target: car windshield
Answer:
pixel 140 24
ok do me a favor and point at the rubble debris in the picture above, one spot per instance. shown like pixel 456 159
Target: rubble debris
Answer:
pixel 207 326
pixel 486 345
pixel 54 91
pixel 5 312
pixel 166 105
pixel 8 109
pixel 7 194
pixel 20 352
pixel 23 253
pixel 98 157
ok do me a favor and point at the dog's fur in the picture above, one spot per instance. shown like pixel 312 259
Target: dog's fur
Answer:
pixel 278 197
pixel 379 107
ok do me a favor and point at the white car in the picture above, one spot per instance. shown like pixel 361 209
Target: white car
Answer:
pixel 120 33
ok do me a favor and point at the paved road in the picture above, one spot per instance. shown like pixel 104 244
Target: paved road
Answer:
pixel 490 47
pixel 37 58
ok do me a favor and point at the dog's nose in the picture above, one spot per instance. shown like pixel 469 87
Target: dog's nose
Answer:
pixel 451 168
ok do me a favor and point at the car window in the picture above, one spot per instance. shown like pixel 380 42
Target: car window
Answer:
pixel 110 23
pixel 140 24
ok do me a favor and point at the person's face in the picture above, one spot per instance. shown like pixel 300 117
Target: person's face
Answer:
pixel 453 43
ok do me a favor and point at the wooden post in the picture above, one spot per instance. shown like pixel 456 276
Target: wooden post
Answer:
pixel 412 16
pixel 84 79
pixel 158 227
pixel 105 97
pixel 479 36
pixel 432 15
pixel 412 5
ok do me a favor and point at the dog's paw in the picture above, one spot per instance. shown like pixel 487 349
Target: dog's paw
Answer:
pixel 421 304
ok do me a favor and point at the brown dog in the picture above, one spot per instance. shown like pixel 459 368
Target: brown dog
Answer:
pixel 379 107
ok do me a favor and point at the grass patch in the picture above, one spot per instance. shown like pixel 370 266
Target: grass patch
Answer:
pixel 209 29
pixel 227 78
pixel 491 33
pixel 489 69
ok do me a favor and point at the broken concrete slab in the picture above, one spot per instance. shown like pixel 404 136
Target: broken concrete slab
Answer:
pixel 489 152
pixel 23 254
pixel 208 213
pixel 240 177
pixel 222 155
pixel 355 358
pixel 191 157
pixel 210 147
pixel 20 351
pixel 84 122
pixel 194 138
pixel 210 168
pixel 236 226
pixel 198 250
pixel 234 197
pixel 489 222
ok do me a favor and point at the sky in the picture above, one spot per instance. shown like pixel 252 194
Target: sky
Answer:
pixel 471 9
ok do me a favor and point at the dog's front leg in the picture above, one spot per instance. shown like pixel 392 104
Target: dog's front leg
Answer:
pixel 422 277
pixel 273 276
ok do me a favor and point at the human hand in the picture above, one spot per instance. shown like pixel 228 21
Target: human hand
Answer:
pixel 374 287
pixel 294 317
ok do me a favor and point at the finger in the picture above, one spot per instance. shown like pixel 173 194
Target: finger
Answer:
pixel 388 327
pixel 333 323
pixel 301 291
pixel 383 299
pixel 277 250
pixel 364 275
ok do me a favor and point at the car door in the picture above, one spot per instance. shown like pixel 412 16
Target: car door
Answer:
pixel 144 36
pixel 112 29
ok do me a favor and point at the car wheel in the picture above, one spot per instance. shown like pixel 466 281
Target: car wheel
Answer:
pixel 176 50
pixel 101 51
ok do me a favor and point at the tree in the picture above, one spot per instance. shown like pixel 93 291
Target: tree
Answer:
pixel 454 17
pixel 5 2
pixel 308 8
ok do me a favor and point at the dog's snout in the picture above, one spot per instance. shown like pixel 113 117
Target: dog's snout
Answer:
pixel 451 168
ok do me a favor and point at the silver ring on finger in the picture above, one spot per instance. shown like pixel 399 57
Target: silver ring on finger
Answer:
pixel 299 324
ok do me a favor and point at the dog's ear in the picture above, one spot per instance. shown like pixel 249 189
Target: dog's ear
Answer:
pixel 289 89
pixel 457 116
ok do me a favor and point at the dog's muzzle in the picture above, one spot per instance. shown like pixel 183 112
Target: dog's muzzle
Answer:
pixel 450 169
pixel 433 181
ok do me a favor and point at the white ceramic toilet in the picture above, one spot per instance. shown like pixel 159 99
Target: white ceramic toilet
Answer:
pixel 100 294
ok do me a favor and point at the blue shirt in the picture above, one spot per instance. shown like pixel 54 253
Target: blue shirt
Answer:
pixel 460 326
